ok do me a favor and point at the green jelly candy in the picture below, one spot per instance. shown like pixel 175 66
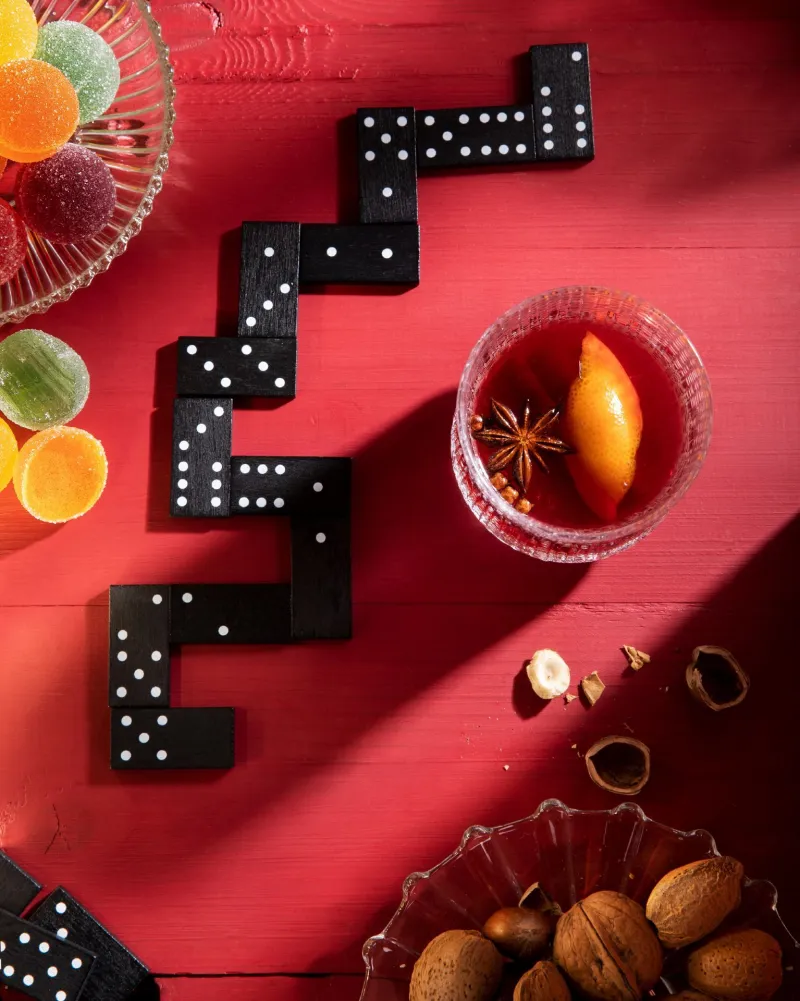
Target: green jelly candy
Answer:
pixel 86 60
pixel 43 382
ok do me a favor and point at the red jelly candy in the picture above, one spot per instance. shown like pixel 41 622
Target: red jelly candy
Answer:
pixel 13 242
pixel 68 197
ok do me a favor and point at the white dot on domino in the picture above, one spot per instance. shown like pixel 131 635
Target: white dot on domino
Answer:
pixel 321 537
pixel 465 151
pixel 545 91
pixel 369 121
pixel 502 116
pixel 269 251
pixel 267 306
pixel 285 288
pixel 402 154
pixel 547 111
pixel 263 366
pixel 279 502
pixel 246 349
pixel 225 382
pixel 201 429
pixel 219 411
pixel 502 149
pixel 386 138
pixel 191 349
pixel 262 468
pixel 161 755
pixel 244 502
pixel 244 467
pixel 144 738
pixel 580 126
pixel 61 996
pixel 430 120
pixel 402 121
pixel 138 674
pixel 317 488
pixel 577 56
pixel 386 253
pixel 549 144
pixel 122 656
pixel 183 484
pixel 521 147
pixel 181 501
pixel 280 383
pixel 280 470
pixel 447 136
pixel 216 484
pixel 157 599
pixel 208 366
pixel 155 656
pixel 484 117
pixel 331 251
pixel 547 127
pixel 250 321
pixel 122 634
pixel 24 938
pixel 183 466
pixel 223 630
pixel 162 721
pixel 519 116
pixel 579 109
pixel 430 153
pixel 387 192
pixel 486 150
pixel 261 502
pixel 217 467
pixel 369 155
pixel 77 963
pixel 61 908
pixel 126 721
pixel 582 143
pixel 28 980
pixel 183 445
pixel 215 501
pixel 463 119
pixel 52 971
pixel 8 971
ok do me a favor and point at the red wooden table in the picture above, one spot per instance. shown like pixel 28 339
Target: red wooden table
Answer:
pixel 360 762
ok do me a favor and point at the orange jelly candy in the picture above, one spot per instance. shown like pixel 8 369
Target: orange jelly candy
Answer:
pixel 603 422
pixel 8 454
pixel 60 474
pixel 38 110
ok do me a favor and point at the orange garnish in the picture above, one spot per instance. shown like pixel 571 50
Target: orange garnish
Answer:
pixel 60 474
pixel 603 423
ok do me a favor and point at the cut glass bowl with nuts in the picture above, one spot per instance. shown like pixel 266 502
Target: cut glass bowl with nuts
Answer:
pixel 132 137
pixel 572 853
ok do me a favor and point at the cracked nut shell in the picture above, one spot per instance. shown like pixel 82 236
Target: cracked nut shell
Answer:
pixel 740 966
pixel 690 902
pixel 457 966
pixel 606 947
pixel 619 764
pixel 520 933
pixel 716 678
pixel 542 983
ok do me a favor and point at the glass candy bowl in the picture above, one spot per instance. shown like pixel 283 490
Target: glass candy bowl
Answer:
pixel 572 853
pixel 133 138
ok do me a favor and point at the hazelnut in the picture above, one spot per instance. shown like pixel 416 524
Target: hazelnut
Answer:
pixel 457 966
pixel 690 902
pixel 619 764
pixel 607 948
pixel 542 983
pixel 715 678
pixel 538 899
pixel 740 966
pixel 520 933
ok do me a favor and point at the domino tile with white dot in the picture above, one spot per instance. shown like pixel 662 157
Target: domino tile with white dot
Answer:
pixel 379 254
pixel 273 485
pixel 236 367
pixel 201 737
pixel 201 451
pixel 268 279
pixel 116 972
pixel 230 613
pixel 321 577
pixel 562 101
pixel 17 888
pixel 42 965
pixel 138 649
pixel 387 165
pixel 475 137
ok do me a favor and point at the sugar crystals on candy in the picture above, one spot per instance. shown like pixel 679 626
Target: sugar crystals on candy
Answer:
pixel 38 110
pixel 18 30
pixel 43 382
pixel 86 60
pixel 13 242
pixel 68 197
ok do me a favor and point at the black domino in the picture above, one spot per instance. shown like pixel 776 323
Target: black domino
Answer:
pixel 116 972
pixel 17 888
pixel 172 738
pixel 562 101
pixel 476 137
pixel 45 966
pixel 226 366
pixel 230 613
pixel 321 585
pixel 387 165
pixel 274 485
pixel 138 649
pixel 360 255
pixel 268 279
pixel 201 452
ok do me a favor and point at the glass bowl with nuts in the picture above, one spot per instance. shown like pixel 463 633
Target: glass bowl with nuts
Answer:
pixel 606 905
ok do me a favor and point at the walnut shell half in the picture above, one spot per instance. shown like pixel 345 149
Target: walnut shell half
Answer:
pixel 716 678
pixel 690 902
pixel 607 948
pixel 542 983
pixel 740 966
pixel 619 764
pixel 457 966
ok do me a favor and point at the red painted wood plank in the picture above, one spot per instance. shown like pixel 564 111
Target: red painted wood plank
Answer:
pixel 260 989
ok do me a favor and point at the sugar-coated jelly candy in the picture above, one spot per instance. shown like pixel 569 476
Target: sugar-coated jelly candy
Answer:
pixel 38 110
pixel 43 382
pixel 86 60
pixel 60 474
pixel 8 454
pixel 68 197
pixel 13 242
pixel 18 30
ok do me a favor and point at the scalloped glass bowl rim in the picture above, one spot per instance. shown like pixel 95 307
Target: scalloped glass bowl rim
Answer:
pixel 627 532
pixel 478 830
pixel 16 314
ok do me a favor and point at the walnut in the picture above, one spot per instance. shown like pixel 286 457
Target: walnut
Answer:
pixel 740 966
pixel 542 983
pixel 690 902
pixel 457 966
pixel 607 948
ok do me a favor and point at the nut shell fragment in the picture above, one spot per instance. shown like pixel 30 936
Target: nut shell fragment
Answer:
pixel 607 948
pixel 457 966
pixel 542 983
pixel 538 899
pixel 716 678
pixel 519 932
pixel 619 764
pixel 690 902
pixel 740 966
pixel 636 658
pixel 592 687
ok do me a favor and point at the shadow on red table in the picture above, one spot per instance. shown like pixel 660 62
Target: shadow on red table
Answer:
pixel 731 773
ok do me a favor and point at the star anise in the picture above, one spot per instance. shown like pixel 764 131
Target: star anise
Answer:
pixel 520 442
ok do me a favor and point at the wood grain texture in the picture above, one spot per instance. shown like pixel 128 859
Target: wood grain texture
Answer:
pixel 360 762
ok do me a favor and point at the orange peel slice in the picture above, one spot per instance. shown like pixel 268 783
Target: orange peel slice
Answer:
pixel 60 474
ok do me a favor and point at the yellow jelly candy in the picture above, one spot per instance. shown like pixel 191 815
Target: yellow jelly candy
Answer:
pixel 60 474
pixel 38 110
pixel 8 454
pixel 18 30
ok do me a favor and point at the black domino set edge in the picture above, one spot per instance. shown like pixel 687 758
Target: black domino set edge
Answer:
pixel 277 258
pixel 58 951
